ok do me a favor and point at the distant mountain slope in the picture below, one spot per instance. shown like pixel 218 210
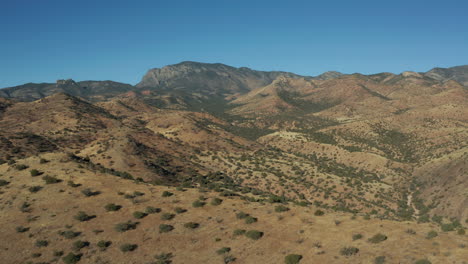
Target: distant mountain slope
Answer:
pixel 458 73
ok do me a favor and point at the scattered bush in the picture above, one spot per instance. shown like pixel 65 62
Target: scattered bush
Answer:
pixel 377 238
pixel 180 210
pixel 164 258
pixel 357 236
pixel 139 215
pixel 319 213
pixel 22 229
pixel 88 192
pixel 163 228
pixel 216 201
pixel 349 251
pixel 122 227
pixel 103 244
pixel 152 210
pixel 411 232
pixel 112 207
pixel 422 261
pixel 69 234
pixel 21 166
pixel 128 247
pixel 461 231
pixel 72 258
pixel 35 189
pixel 3 183
pixel 77 245
pixel 191 225
pixel 254 234
pixel 83 217
pixel 281 208
pixel 42 243
pixel 198 203
pixel 167 216
pixel 292 259
pixel 250 220
pixel 431 234
pixel 241 215
pixel 72 184
pixel 228 259
pixel 379 260
pixel 239 232
pixel 223 250
pixel 35 172
pixel 167 194
pixel 58 253
pixel 51 179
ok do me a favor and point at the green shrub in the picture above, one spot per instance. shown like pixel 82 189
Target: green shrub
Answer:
pixel 69 234
pixel 50 179
pixel 319 213
pixel 223 250
pixel 35 189
pixel 21 166
pixel 82 216
pixel 167 194
pixel 377 238
pixel 281 208
pixel 103 244
pixel 72 184
pixel 447 227
pixel 191 225
pixel 112 207
pixel 250 220
pixel 239 232
pixel 357 236
pixel 431 234
pixel 180 210
pixel 22 229
pixel 42 243
pixel 379 260
pixel 461 231
pixel 58 253
pixel 122 227
pixel 241 215
pixel 163 228
pixel 152 210
pixel 43 161
pixel 198 203
pixel 349 251
pixel 216 201
pixel 292 259
pixel 164 258
pixel 77 245
pixel 139 215
pixel 128 247
pixel 72 258
pixel 167 216
pixel 254 234
pixel 35 172
pixel 88 192
pixel 228 259
pixel 3 183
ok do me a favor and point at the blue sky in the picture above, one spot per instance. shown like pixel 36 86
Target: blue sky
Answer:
pixel 45 40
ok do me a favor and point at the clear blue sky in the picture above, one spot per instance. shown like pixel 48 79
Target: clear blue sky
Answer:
pixel 45 40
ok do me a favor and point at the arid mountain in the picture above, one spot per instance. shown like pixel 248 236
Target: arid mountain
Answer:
pixel 383 146
pixel 458 73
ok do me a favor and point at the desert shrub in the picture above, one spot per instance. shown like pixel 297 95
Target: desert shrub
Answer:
pixel 103 244
pixel 254 234
pixel 461 231
pixel 43 161
pixel 319 213
pixel 223 250
pixel 281 208
pixel 35 172
pixel 180 210
pixel 167 216
pixel 51 179
pixel 164 258
pixel 72 184
pixel 411 232
pixel 228 259
pixel 191 225
pixel 139 215
pixel 357 236
pixel 69 234
pixel 167 194
pixel 111 207
pixel 3 183
pixel 216 201
pixel 21 166
pixel 152 210
pixel 239 232
pixel 77 245
pixel 137 193
pixel 42 243
pixel 292 259
pixel 198 203
pixel 35 189
pixel 349 251
pixel 241 215
pixel 58 253
pixel 431 234
pixel 25 207
pixel 379 260
pixel 72 258
pixel 88 192
pixel 163 228
pixel 122 227
pixel 447 227
pixel 377 238
pixel 22 229
pixel 250 220
pixel 422 261
pixel 82 216
pixel 128 247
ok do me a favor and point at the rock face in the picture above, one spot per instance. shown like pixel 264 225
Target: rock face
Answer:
pixel 207 77
pixel 458 73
